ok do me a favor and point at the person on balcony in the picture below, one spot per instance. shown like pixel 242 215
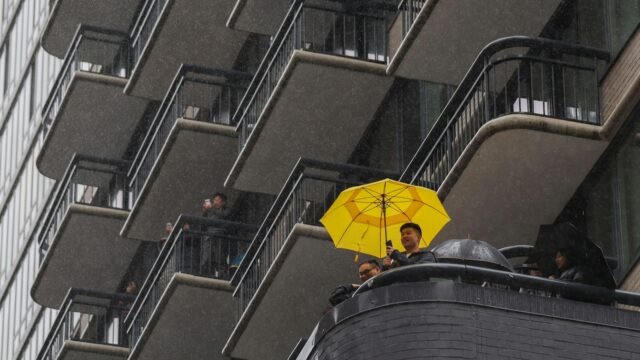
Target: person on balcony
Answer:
pixel 215 209
pixel 410 235
pixel 366 270
pixel 568 268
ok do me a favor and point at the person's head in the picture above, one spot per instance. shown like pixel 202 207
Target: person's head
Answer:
pixel 168 227
pixel 410 235
pixel 368 269
pixel 219 200
pixel 562 260
pixel 131 287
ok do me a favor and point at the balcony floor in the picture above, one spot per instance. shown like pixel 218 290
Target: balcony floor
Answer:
pixel 66 15
pixel 96 119
pixel 86 253
pixel 191 166
pixel 320 110
pixel 190 305
pixel 293 295
pixel 258 16
pixel 518 173
pixel 445 56
pixel 188 31
pixel 77 350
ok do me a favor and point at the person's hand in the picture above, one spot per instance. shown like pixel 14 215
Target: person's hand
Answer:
pixel 386 262
pixel 390 249
pixel 552 277
pixel 355 286
pixel 206 205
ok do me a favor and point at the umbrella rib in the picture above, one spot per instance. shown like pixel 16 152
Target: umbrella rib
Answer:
pixel 400 211
pixel 351 223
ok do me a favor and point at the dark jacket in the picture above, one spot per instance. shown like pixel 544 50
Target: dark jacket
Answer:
pixel 421 257
pixel 577 274
pixel 341 293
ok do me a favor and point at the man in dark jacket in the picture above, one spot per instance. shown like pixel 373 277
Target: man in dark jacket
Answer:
pixel 410 235
pixel 367 269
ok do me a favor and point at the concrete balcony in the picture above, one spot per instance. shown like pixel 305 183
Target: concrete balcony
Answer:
pixel 278 271
pixel 79 242
pixel 439 311
pixel 66 15
pixel 86 111
pixel 438 40
pixel 188 288
pixel 168 33
pixel 89 325
pixel 512 121
pixel 257 16
pixel 320 80
pixel 187 152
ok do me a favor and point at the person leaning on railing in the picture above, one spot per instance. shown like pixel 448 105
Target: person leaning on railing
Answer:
pixel 217 210
pixel 366 270
pixel 410 235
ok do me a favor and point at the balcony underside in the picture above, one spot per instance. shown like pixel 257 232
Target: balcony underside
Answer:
pixel 448 35
pixel 67 15
pixel 258 16
pixel 518 173
pixel 191 321
pixel 192 166
pixel 188 31
pixel 77 350
pixel 96 119
pixel 319 110
pixel 87 253
pixel 293 295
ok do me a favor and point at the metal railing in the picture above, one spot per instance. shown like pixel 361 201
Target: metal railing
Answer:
pixel 361 36
pixel 543 77
pixel 197 246
pixel 307 194
pixel 88 316
pixel 408 11
pixel 95 50
pixel 196 93
pixel 143 27
pixel 87 180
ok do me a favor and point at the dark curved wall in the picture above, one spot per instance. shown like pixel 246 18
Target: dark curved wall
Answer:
pixel 457 321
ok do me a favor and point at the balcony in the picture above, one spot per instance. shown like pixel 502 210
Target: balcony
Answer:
pixel 188 288
pixel 193 123
pixel 279 271
pixel 439 311
pixel 168 33
pixel 426 34
pixel 86 111
pixel 89 326
pixel 322 78
pixel 517 138
pixel 258 16
pixel 79 242
pixel 66 15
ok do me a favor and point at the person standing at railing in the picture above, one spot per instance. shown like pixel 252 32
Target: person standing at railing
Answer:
pixel 215 209
pixel 366 270
pixel 410 235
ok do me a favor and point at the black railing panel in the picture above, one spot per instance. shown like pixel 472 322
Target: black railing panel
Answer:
pixel 89 181
pixel 197 94
pixel 88 316
pixel 197 246
pixel 143 27
pixel 95 50
pixel 307 28
pixel 307 194
pixel 516 75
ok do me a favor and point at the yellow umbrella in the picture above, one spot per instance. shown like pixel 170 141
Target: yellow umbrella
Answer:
pixel 362 216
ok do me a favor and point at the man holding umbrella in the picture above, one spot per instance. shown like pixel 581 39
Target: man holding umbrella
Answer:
pixel 410 235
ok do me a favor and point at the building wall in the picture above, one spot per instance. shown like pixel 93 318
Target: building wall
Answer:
pixel 26 77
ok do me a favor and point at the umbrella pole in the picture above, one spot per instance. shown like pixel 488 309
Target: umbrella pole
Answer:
pixel 384 219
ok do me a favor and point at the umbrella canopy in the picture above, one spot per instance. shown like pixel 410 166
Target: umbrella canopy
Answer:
pixel 363 217
pixel 471 252
pixel 565 236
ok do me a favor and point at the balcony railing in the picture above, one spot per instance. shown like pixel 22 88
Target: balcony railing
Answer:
pixel 87 180
pixel 197 94
pixel 143 27
pixel 95 50
pixel 90 317
pixel 408 11
pixel 546 78
pixel 197 246
pixel 307 194
pixel 354 35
